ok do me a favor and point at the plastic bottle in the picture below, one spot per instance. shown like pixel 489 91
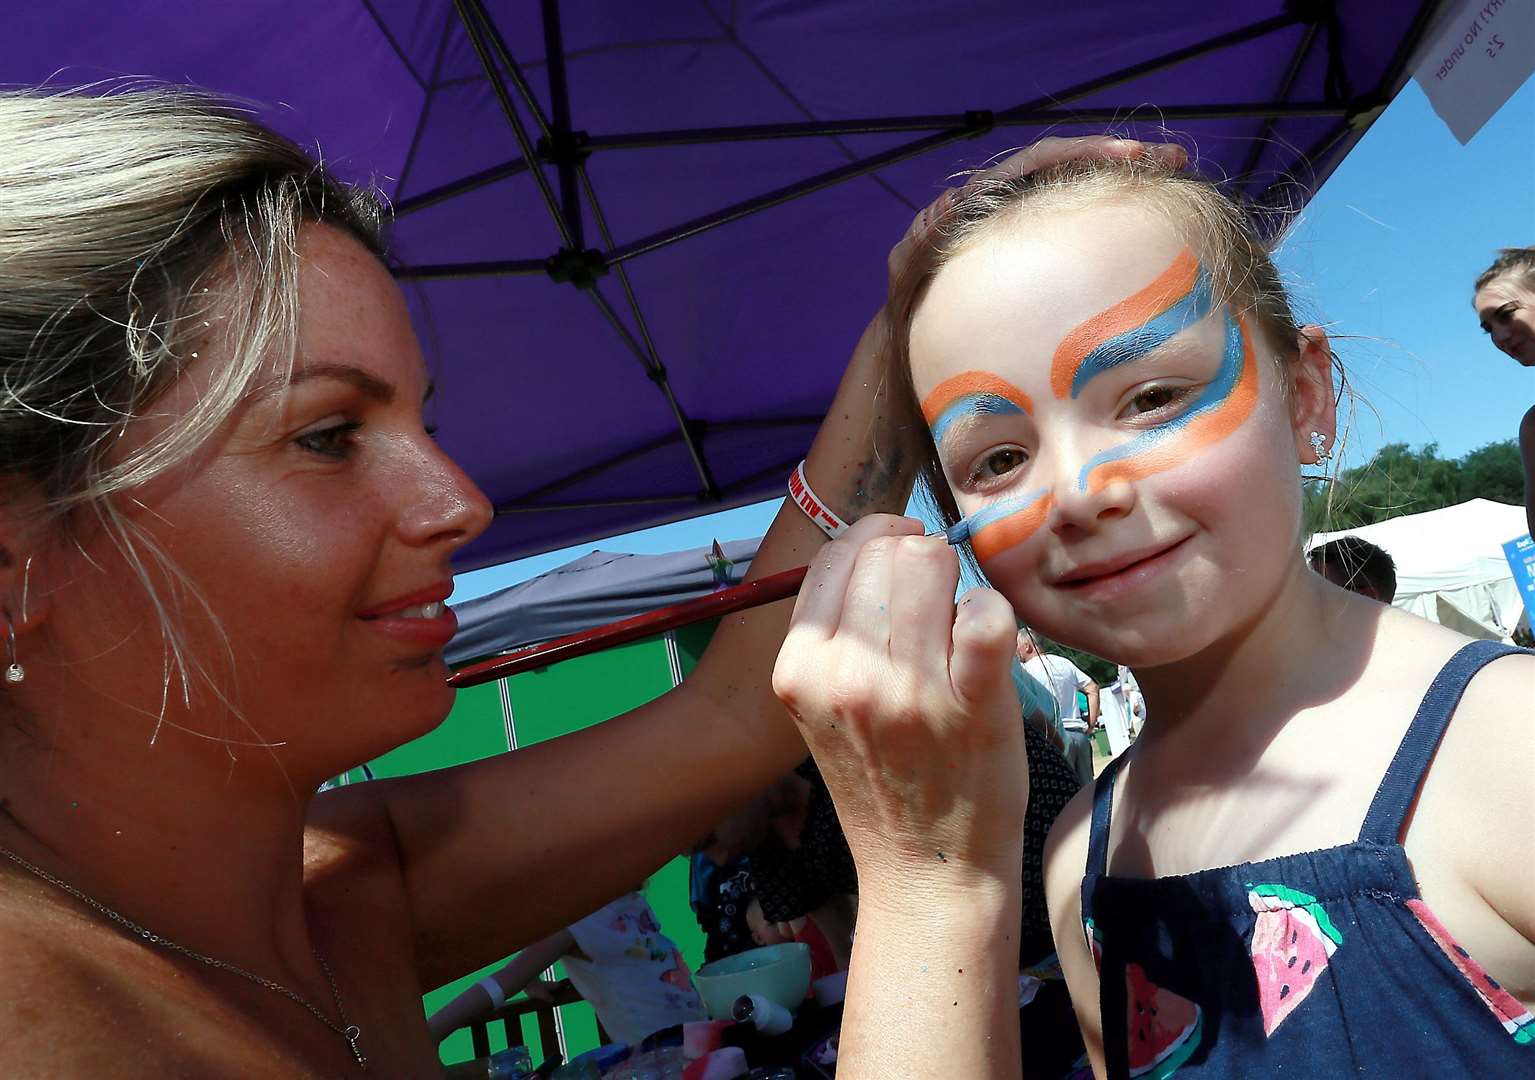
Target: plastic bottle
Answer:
pixel 769 1017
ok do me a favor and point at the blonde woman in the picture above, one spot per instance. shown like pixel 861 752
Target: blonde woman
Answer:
pixel 225 542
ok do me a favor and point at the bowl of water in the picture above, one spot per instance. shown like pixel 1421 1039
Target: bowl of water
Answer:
pixel 780 973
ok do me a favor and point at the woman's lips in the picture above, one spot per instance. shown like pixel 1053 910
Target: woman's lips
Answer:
pixel 432 624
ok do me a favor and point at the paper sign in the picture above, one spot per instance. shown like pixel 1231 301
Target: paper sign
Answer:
pixel 1477 55
pixel 1520 553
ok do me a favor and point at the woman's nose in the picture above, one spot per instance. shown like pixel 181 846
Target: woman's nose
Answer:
pixel 448 506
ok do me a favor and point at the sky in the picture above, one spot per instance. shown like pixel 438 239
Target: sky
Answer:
pixel 1383 256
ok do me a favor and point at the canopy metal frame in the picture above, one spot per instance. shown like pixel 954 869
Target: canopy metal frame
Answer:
pixel 566 148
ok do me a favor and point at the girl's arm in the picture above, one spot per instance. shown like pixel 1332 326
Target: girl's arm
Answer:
pixel 474 1004
pixel 1065 865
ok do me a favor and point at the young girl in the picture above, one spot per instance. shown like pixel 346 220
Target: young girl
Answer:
pixel 1301 865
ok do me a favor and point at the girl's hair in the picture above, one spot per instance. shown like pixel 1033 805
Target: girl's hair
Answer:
pixel 1225 235
pixel 1518 263
pixel 132 225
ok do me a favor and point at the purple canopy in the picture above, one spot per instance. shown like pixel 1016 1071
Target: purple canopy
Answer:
pixel 649 324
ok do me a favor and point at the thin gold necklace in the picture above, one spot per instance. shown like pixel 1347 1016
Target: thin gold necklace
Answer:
pixel 350 1032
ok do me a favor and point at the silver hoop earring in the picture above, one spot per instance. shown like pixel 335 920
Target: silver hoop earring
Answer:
pixel 1319 447
pixel 15 673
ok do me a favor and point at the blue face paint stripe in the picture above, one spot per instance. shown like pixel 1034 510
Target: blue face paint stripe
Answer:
pixel 971 405
pixel 1003 508
pixel 1210 398
pixel 1153 334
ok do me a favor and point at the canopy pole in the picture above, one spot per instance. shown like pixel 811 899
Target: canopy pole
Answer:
pixel 652 356
pixel 471 13
pixel 561 137
pixel 1285 86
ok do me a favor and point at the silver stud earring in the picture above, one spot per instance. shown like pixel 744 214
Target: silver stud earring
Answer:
pixel 15 673
pixel 1319 447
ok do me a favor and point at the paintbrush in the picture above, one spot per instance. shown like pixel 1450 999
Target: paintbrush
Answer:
pixel 741 597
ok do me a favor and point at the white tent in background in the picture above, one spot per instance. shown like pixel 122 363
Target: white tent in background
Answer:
pixel 1450 567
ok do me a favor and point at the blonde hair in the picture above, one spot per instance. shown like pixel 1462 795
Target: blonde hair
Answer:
pixel 1225 235
pixel 131 223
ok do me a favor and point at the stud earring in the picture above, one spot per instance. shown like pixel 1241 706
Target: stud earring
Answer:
pixel 15 673
pixel 1319 447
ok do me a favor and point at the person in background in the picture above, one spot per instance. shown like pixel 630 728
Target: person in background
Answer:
pixel 719 894
pixel 1036 702
pixel 1064 680
pixel 617 958
pixel 1355 564
pixel 1505 306
pixel 802 875
pixel 1135 701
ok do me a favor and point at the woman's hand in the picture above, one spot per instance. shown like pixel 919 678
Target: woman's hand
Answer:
pixel 907 703
pixel 1044 154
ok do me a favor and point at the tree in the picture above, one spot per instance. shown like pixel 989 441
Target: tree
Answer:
pixel 1401 480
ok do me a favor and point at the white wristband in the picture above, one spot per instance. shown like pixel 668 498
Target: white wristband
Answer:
pixel 493 988
pixel 816 510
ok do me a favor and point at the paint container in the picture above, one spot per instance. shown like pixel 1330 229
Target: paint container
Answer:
pixel 829 990
pixel 766 1016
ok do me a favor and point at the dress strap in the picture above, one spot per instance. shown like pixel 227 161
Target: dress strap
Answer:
pixel 1103 809
pixel 1383 822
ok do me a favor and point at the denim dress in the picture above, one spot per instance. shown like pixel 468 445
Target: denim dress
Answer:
pixel 1322 964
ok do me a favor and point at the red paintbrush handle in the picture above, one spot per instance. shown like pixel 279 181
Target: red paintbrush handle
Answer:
pixel 748 595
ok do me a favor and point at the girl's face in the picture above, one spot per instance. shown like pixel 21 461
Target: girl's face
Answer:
pixel 1507 313
pixel 318 524
pixel 1120 442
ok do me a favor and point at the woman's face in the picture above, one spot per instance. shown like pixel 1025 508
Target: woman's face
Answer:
pixel 1506 310
pixel 1120 442
pixel 318 525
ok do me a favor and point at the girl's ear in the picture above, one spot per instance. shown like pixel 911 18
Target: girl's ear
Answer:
pixel 1313 409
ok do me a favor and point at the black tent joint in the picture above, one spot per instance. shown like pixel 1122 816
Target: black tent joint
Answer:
pixel 979 121
pixel 561 147
pixel 579 268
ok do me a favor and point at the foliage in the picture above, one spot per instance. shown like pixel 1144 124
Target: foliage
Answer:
pixel 1401 480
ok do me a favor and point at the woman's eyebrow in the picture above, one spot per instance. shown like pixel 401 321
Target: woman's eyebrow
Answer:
pixel 365 381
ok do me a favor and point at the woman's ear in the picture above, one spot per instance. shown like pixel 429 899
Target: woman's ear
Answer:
pixel 1313 408
pixel 23 602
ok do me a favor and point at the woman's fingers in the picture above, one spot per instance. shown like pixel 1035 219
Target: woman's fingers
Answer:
pixel 866 608
pixel 922 606
pixel 818 608
pixel 984 633
pixel 1052 151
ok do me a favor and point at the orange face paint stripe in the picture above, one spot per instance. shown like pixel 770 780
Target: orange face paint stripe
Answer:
pixel 1170 286
pixel 1200 430
pixel 1009 525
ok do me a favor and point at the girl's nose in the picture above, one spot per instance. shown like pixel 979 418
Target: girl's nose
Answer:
pixel 1079 509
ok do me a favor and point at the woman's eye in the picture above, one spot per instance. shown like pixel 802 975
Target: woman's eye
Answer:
pixel 336 441
pixel 1154 399
pixel 998 463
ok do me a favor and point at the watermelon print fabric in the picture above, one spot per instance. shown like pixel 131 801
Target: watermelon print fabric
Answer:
pixel 1514 1017
pixel 1164 1027
pixel 1293 939
pixel 1317 964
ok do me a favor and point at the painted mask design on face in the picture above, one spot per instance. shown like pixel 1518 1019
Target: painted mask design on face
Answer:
pixel 1006 522
pixel 1180 296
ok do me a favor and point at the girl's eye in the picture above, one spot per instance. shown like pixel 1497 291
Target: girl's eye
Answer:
pixel 431 431
pixel 999 462
pixel 336 441
pixel 1155 399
